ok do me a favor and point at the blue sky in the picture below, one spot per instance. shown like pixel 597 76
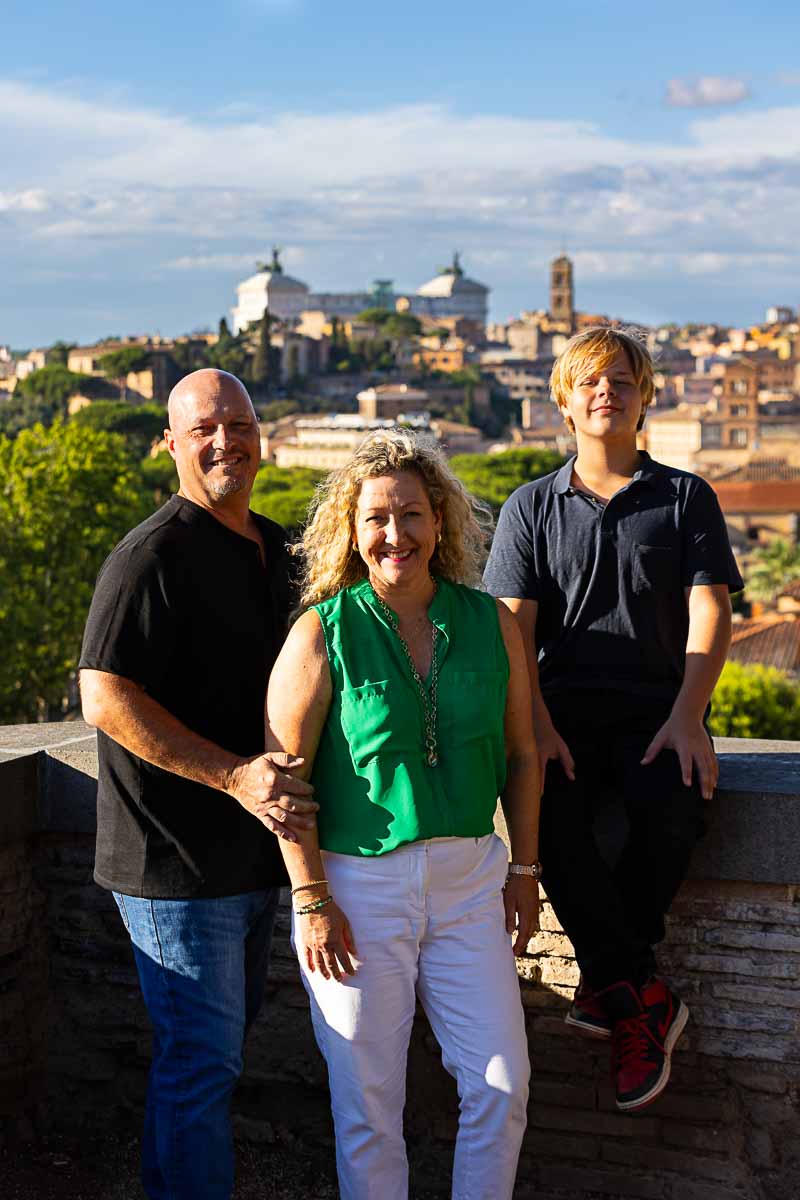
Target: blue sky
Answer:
pixel 151 154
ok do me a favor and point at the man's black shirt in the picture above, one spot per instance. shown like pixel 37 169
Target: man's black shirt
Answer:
pixel 609 579
pixel 184 607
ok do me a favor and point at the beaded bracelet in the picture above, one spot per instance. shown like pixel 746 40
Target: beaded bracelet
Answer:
pixel 315 906
pixel 305 887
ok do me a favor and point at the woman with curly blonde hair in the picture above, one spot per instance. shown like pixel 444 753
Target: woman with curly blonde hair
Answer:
pixel 403 688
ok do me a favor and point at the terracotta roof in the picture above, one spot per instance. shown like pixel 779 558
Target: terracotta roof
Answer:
pixel 792 590
pixel 771 641
pixel 779 496
pixel 761 470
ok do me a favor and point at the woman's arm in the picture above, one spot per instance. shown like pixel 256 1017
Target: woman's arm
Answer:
pixel 520 799
pixel 298 702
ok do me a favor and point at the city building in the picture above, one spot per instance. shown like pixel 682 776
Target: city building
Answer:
pixel 388 401
pixel 450 294
pixel 562 293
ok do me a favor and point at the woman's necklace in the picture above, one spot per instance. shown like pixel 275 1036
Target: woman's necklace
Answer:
pixel 428 697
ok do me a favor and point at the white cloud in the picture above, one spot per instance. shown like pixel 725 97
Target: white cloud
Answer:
pixel 141 193
pixel 705 91
pixel 33 200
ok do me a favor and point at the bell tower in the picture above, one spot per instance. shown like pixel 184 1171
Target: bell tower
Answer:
pixel 562 294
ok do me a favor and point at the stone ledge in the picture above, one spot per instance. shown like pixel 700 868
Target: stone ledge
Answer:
pixel 48 773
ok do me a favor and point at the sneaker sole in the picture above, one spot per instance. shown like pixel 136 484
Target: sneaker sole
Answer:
pixel 678 1026
pixel 600 1032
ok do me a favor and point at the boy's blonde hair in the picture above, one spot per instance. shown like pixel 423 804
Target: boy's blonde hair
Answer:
pixel 596 348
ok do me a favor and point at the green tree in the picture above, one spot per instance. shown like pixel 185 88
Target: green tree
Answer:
pixel 232 353
pixel 284 494
pixel 493 477
pixel 59 352
pixel 54 384
pixel 139 424
pixel 160 475
pixel 40 397
pixel 755 702
pixel 117 365
pixel 67 495
pixel 261 374
pixel 374 316
pixel 402 326
pixel 772 567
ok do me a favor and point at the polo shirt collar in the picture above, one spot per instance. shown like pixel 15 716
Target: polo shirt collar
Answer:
pixel 563 480
pixel 649 472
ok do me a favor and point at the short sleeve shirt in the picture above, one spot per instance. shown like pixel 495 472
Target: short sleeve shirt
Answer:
pixel 609 579
pixel 184 607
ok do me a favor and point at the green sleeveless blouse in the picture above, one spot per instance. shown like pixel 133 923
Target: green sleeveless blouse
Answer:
pixel 374 787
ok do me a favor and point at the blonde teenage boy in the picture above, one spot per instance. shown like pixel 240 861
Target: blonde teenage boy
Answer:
pixel 619 571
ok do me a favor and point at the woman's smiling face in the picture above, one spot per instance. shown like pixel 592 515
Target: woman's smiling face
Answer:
pixel 396 530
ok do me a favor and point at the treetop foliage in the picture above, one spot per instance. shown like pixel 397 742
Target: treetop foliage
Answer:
pixel 284 495
pixel 67 495
pixel 755 702
pixel 118 364
pixel 493 477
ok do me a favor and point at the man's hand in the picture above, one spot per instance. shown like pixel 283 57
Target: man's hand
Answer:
pixel 688 738
pixel 551 747
pixel 279 800
pixel 521 900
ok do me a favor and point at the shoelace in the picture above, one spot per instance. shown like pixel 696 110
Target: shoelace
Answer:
pixel 631 1041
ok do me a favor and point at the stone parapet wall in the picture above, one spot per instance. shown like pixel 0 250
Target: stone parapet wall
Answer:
pixel 76 1038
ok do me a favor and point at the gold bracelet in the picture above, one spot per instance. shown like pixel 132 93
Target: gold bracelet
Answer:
pixel 304 887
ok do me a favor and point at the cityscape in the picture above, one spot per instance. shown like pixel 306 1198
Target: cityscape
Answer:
pixel 324 368
pixel 396 219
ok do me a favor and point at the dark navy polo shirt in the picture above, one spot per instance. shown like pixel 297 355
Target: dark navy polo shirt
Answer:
pixel 609 579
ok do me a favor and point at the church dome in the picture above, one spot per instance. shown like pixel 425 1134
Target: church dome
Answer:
pixel 451 281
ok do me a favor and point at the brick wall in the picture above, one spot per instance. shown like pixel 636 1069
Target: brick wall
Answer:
pixel 727 1127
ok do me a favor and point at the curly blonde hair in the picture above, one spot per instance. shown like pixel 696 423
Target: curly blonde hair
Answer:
pixel 329 560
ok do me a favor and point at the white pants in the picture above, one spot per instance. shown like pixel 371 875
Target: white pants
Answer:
pixel 427 918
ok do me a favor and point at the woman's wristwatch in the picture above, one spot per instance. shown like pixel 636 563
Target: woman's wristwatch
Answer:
pixel 534 870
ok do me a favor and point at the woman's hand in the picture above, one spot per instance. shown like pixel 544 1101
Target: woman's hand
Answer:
pixel 327 942
pixel 521 900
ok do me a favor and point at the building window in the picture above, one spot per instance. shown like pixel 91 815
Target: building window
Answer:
pixel 739 387
pixel 738 410
pixel 738 437
pixel 711 435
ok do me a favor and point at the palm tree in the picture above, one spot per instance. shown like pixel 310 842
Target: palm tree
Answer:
pixel 773 566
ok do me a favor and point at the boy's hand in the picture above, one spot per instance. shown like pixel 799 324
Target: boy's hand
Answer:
pixel 551 747
pixel 688 738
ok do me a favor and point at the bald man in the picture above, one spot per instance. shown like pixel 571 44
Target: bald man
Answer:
pixel 188 615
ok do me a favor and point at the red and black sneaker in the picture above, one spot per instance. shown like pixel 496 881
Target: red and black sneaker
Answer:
pixel 587 1014
pixel 647 1025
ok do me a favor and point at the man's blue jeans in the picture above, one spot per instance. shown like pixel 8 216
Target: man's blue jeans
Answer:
pixel 202 966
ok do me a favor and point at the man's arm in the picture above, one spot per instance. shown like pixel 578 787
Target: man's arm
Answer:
pixel 550 744
pixel 126 713
pixel 706 650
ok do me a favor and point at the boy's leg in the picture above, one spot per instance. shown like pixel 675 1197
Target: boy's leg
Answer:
pixel 578 881
pixel 666 819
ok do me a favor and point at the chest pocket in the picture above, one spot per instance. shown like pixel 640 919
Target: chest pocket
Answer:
pixel 654 567
pixel 381 719
pixel 473 706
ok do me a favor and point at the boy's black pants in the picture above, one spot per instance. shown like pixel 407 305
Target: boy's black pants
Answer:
pixel 615 844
